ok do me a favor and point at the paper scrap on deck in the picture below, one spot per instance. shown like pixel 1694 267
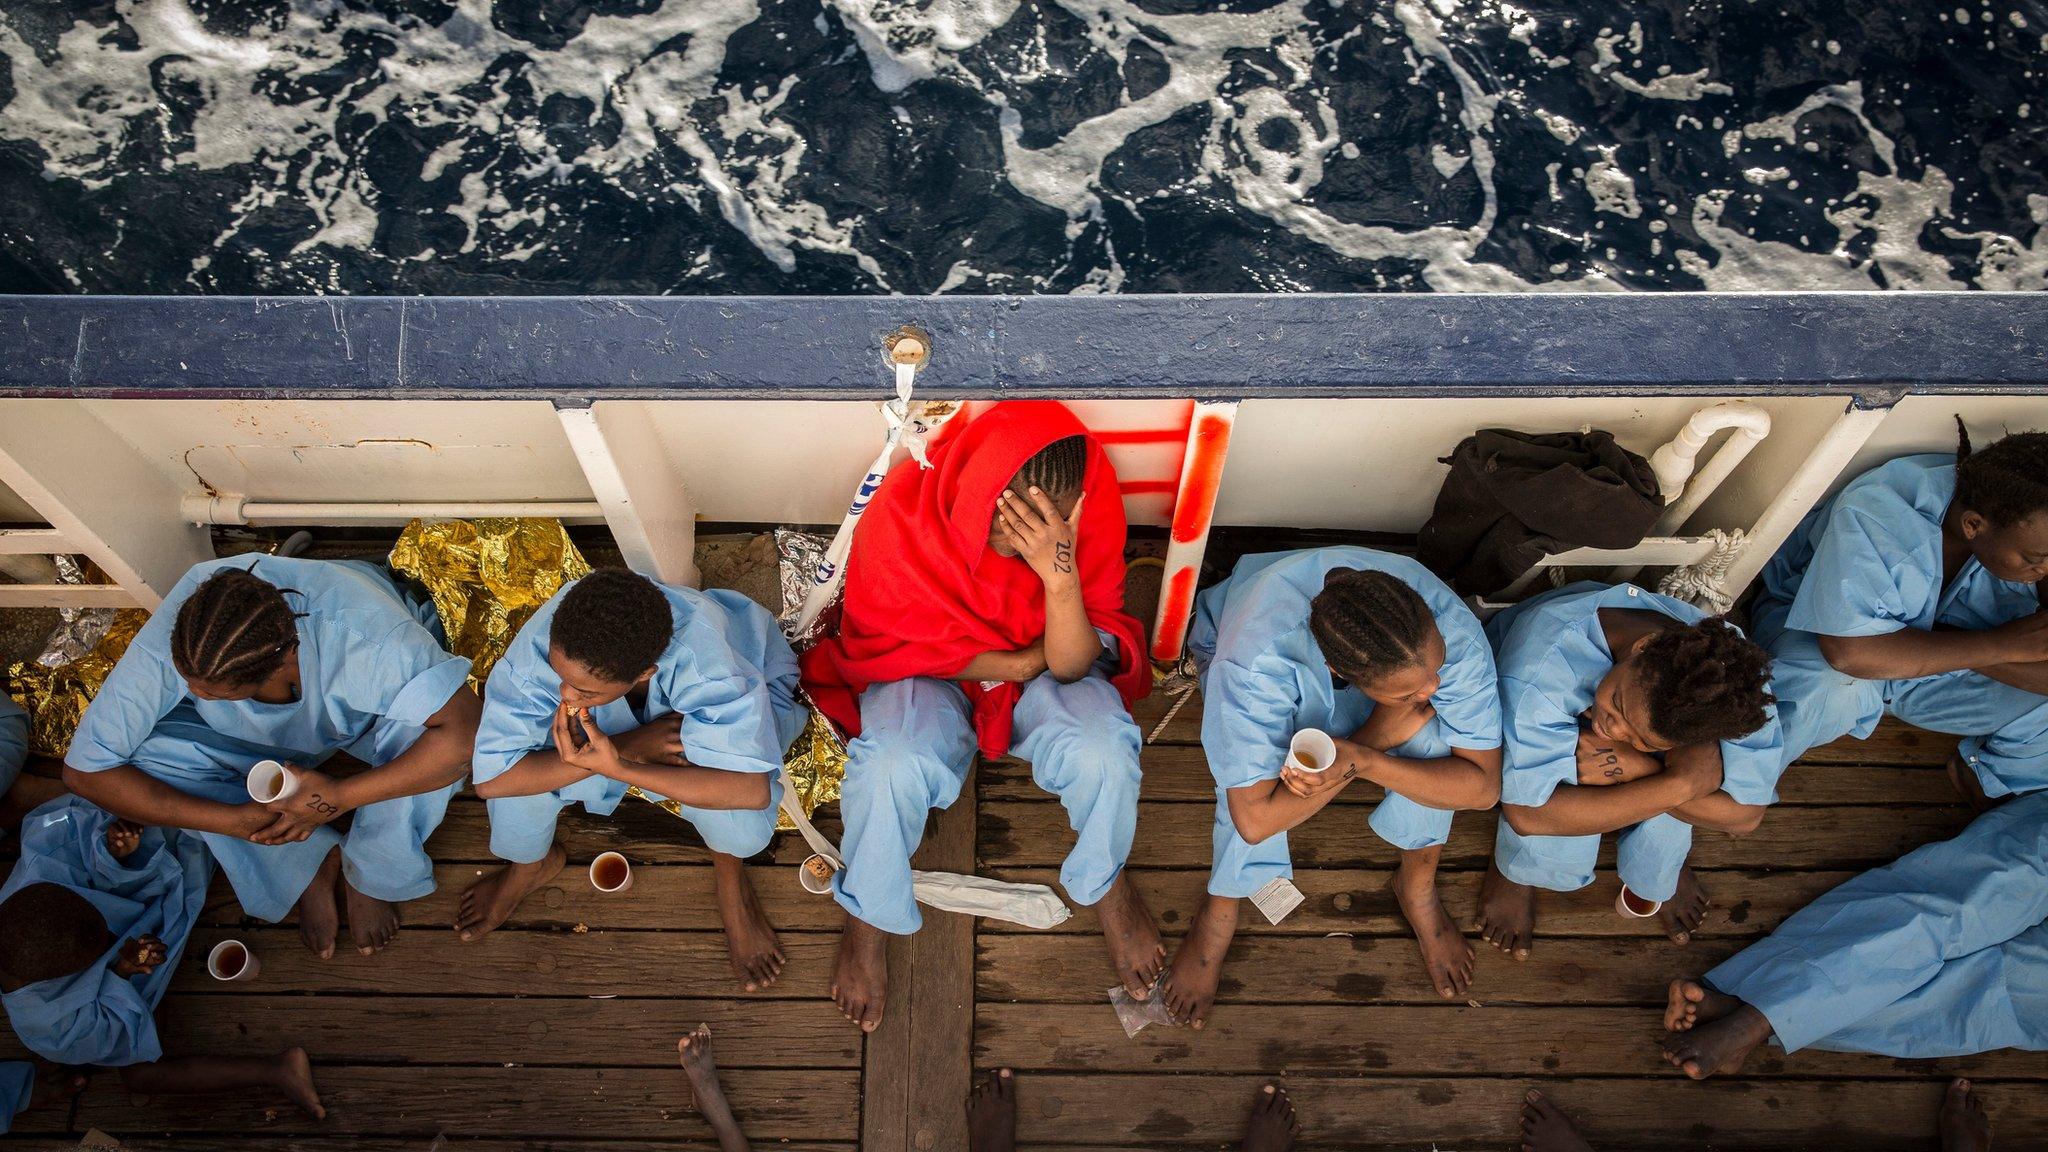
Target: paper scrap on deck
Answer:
pixel 487 576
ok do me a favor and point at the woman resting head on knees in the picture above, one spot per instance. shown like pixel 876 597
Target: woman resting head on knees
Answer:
pixel 1915 592
pixel 292 660
pixel 1628 712
pixel 984 610
pixel 1376 651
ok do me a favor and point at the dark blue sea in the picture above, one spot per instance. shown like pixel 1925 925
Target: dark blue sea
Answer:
pixel 1068 146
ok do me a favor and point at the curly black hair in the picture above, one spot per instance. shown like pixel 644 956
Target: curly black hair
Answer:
pixel 47 931
pixel 614 622
pixel 1369 623
pixel 1705 681
pixel 234 630
pixel 1058 469
pixel 2006 482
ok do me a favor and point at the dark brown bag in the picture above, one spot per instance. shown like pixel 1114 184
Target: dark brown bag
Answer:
pixel 1513 498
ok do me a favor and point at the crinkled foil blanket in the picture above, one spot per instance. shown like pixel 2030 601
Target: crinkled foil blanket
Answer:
pixel 486 578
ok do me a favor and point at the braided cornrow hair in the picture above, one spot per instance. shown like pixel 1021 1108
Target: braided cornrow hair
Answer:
pixel 2006 482
pixel 1058 469
pixel 234 630
pixel 1369 623
pixel 1705 681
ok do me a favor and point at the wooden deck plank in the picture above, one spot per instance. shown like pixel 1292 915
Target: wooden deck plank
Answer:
pixel 1747 903
pixel 644 833
pixel 1379 1040
pixel 403 1144
pixel 1668 1113
pixel 917 1069
pixel 1181 773
pixel 674 897
pixel 433 962
pixel 1314 970
pixel 501 1102
pixel 1035 835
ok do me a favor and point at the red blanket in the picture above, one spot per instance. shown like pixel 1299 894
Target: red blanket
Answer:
pixel 925 593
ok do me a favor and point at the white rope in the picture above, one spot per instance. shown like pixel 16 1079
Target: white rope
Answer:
pixel 1186 694
pixel 1701 584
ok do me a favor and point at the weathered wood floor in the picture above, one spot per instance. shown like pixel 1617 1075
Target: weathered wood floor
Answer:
pixel 559 1031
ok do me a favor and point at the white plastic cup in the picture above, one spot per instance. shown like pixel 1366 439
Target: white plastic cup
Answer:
pixel 1311 751
pixel 1622 905
pixel 609 861
pixel 220 961
pixel 816 873
pixel 270 782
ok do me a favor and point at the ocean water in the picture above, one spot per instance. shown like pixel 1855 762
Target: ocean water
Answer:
pixel 1073 146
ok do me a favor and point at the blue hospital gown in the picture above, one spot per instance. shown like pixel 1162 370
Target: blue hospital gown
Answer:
pixel 372 673
pixel 1264 678
pixel 1868 562
pixel 95 1017
pixel 727 673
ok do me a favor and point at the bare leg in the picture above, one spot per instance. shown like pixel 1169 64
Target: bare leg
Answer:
pixel 1135 950
pixel 695 1051
pixel 860 977
pixel 492 900
pixel 750 941
pixel 319 914
pixel 1197 967
pixel 30 792
pixel 1682 913
pixel 992 1114
pixel 372 923
pixel 1545 1129
pixel 290 1073
pixel 55 1084
pixel 1272 1127
pixel 1689 1003
pixel 1965 1126
pixel 1446 955
pixel 1507 913
pixel 1719 1047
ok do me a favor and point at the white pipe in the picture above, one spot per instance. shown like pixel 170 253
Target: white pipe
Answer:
pixel 1844 438
pixel 241 510
pixel 1750 424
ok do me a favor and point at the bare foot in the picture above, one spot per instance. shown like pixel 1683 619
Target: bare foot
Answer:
pixel 1965 1126
pixel 992 1114
pixel 295 1080
pixel 372 923
pixel 860 977
pixel 492 900
pixel 1272 1127
pixel 1135 950
pixel 750 942
pixel 1507 913
pixel 1966 782
pixel 1198 964
pixel 1446 955
pixel 1681 915
pixel 319 915
pixel 694 1052
pixel 55 1084
pixel 1719 1047
pixel 1689 1002
pixel 1545 1129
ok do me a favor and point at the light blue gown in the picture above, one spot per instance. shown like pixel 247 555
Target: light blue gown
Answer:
pixel 1552 655
pixel 372 672
pixel 13 746
pixel 916 747
pixel 17 1087
pixel 727 672
pixel 1941 953
pixel 1868 563
pixel 1264 678
pixel 96 1017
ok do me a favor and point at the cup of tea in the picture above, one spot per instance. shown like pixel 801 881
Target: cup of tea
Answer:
pixel 232 960
pixel 816 873
pixel 610 873
pixel 1635 907
pixel 1311 750
pixel 270 781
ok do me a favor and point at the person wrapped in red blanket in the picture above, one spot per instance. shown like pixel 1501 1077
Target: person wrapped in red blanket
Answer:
pixel 984 609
